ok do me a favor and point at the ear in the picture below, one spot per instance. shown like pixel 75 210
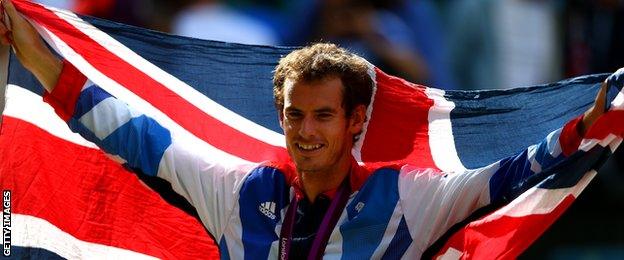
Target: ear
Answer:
pixel 357 120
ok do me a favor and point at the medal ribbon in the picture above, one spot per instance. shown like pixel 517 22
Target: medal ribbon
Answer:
pixel 327 225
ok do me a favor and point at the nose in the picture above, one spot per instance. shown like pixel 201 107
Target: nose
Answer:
pixel 308 127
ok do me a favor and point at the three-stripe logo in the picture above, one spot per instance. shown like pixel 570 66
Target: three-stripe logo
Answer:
pixel 268 209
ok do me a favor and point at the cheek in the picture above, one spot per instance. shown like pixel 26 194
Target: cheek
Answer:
pixel 292 125
pixel 337 133
pixel 288 127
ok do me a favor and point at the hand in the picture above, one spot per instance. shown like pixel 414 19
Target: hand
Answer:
pixel 595 111
pixel 616 81
pixel 16 31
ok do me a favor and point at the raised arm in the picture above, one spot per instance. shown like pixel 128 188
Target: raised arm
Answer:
pixel 28 46
pixel 205 176
pixel 438 201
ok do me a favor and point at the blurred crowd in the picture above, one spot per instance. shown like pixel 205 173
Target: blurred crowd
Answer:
pixel 448 44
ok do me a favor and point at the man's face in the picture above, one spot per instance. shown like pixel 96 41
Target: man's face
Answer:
pixel 318 133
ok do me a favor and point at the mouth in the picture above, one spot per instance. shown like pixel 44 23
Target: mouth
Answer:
pixel 308 148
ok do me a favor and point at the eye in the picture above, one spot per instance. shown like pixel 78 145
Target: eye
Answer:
pixel 293 115
pixel 324 116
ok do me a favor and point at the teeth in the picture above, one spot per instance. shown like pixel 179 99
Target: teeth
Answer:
pixel 309 146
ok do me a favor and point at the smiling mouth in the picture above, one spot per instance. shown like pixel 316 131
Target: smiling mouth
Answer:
pixel 309 147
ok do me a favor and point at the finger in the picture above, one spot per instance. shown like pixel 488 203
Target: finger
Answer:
pixel 11 14
pixel 6 21
pixel 9 8
pixel 603 90
pixel 601 97
pixel 15 18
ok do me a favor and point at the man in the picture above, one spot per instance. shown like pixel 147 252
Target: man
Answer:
pixel 323 203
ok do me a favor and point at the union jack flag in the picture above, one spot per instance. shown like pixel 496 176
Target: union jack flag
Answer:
pixel 72 200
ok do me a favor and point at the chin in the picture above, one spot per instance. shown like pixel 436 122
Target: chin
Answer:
pixel 307 167
pixel 304 167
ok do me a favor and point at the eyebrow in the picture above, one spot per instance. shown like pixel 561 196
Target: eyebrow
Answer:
pixel 320 110
pixel 325 110
pixel 292 109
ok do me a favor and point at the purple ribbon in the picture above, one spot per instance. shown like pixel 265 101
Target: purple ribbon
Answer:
pixel 327 225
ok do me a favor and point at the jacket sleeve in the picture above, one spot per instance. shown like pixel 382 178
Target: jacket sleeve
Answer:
pixel 433 202
pixel 208 178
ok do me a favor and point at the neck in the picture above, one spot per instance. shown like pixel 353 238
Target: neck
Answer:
pixel 315 183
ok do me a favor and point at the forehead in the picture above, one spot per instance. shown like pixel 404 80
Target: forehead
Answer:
pixel 326 92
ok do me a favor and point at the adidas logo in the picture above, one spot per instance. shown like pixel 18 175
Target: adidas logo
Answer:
pixel 268 209
pixel 359 206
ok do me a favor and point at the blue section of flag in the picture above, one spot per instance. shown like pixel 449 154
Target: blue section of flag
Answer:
pixel 490 125
pixel 18 252
pixel 569 172
pixel 511 173
pixel 514 171
pixel 543 156
pixel 561 175
pixel 369 213
pixel 20 76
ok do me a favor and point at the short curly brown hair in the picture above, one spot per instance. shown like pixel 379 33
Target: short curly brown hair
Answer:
pixel 322 60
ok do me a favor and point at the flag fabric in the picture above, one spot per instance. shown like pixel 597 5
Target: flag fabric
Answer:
pixel 71 200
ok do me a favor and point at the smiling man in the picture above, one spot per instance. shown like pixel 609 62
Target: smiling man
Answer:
pixel 318 133
pixel 321 94
pixel 321 202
